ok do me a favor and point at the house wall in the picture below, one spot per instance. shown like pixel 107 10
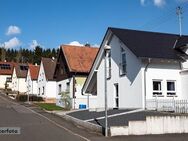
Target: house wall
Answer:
pixel 41 81
pixel 49 86
pixel 3 80
pixel 18 84
pixel 130 85
pixel 31 85
pixel 50 89
pixel 79 98
pixel 184 80
pixel 163 71
pixel 64 88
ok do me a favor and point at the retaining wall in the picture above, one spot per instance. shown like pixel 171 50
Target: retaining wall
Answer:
pixel 153 125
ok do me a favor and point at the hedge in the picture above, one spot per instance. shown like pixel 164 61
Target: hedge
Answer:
pixel 24 98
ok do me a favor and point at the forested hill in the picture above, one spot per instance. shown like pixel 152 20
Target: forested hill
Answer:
pixel 26 55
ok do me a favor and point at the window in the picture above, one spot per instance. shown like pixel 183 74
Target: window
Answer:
pixel 39 91
pixel 157 90
pixel 59 90
pixel 108 64
pixel 67 86
pixel 43 90
pixel 5 66
pixel 24 68
pixel 171 88
pixel 8 79
pixel 123 65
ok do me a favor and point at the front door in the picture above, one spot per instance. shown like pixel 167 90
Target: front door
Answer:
pixel 116 96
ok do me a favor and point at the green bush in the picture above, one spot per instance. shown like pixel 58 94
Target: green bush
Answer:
pixel 24 98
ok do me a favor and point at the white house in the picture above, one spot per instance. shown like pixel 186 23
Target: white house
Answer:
pixel 31 80
pixel 6 70
pixel 19 78
pixel 73 66
pixel 140 66
pixel 46 82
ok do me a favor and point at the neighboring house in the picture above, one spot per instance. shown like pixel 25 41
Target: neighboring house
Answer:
pixel 46 82
pixel 6 70
pixel 32 75
pixel 140 66
pixel 19 78
pixel 73 66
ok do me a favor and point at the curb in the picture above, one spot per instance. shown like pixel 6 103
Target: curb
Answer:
pixel 87 125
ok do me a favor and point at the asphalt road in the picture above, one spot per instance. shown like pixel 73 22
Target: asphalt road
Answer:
pixel 37 125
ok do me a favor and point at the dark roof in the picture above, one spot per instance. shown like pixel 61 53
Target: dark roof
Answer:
pixel 49 67
pixel 182 41
pixel 21 70
pixel 79 58
pixel 151 44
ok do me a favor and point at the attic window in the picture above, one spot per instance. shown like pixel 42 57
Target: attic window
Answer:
pixel 5 66
pixel 23 68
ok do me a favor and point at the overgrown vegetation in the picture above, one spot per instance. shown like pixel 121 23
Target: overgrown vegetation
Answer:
pixel 49 106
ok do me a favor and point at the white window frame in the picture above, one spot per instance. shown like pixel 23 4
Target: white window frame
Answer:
pixel 171 91
pixel 122 62
pixel 59 89
pixel 160 91
pixel 108 64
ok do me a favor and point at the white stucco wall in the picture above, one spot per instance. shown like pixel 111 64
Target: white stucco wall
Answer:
pixel 31 84
pixel 79 99
pixel 18 84
pixel 130 85
pixel 50 89
pixel 184 80
pixel 169 71
pixel 3 80
pixel 49 86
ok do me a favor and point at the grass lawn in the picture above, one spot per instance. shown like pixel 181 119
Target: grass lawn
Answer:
pixel 49 106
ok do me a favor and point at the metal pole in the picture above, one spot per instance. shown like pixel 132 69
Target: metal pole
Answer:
pixel 105 89
pixel 179 13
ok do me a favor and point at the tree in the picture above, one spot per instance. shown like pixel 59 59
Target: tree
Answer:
pixel 37 54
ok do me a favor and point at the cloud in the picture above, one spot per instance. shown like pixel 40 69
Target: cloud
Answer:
pixel 33 44
pixel 14 42
pixel 13 30
pixel 96 45
pixel 142 2
pixel 157 3
pixel 75 43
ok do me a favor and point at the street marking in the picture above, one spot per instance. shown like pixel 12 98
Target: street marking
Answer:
pixel 49 120
pixel 114 115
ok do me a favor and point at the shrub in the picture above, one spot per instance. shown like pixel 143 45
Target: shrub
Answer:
pixel 24 98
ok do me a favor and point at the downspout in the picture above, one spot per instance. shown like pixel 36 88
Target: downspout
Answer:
pixel 145 70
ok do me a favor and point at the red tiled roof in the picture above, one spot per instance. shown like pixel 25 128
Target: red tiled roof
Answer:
pixel 34 71
pixel 79 58
pixel 7 71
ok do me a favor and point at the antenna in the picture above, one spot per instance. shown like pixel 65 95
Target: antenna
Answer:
pixel 179 14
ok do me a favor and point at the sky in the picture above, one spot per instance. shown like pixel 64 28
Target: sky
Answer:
pixel 51 23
